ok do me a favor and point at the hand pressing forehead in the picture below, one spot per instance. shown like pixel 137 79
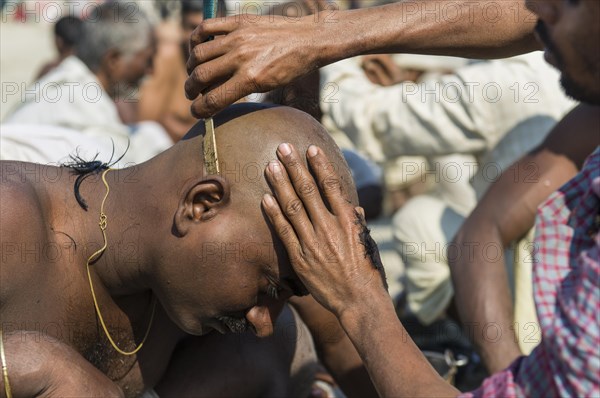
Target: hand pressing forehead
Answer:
pixel 241 268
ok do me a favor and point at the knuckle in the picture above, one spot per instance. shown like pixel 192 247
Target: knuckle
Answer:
pixel 197 53
pixel 253 77
pixel 211 102
pixel 285 231
pixel 200 75
pixel 293 207
pixel 331 184
pixel 294 168
pixel 308 189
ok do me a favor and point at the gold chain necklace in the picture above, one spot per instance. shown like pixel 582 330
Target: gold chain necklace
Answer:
pixel 95 256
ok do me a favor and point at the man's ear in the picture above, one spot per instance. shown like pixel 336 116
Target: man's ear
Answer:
pixel 201 201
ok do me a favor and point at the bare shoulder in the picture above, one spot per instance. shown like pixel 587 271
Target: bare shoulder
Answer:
pixel 21 227
pixel 19 199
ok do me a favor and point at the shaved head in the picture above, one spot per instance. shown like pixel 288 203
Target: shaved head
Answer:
pixel 248 135
pixel 222 252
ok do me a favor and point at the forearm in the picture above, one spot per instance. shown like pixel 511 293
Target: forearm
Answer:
pixel 484 29
pixel 482 293
pixel 395 364
pixel 505 214
pixel 345 365
pixel 334 348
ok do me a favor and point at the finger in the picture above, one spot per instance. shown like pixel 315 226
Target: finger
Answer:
pixel 388 63
pixel 213 27
pixel 291 206
pixel 221 96
pixel 205 52
pixel 303 182
pixel 382 72
pixel 370 74
pixel 205 75
pixel 379 73
pixel 329 180
pixel 282 227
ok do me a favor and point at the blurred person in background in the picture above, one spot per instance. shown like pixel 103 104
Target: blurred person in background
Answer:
pixel 78 94
pixel 162 98
pixel 67 32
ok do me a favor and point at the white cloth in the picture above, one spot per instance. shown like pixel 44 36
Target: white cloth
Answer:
pixel 54 146
pixel 430 118
pixel 71 97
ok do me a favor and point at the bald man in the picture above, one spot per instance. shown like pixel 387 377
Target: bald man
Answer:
pixel 186 253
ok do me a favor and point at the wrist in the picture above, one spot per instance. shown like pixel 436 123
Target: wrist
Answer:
pixel 500 357
pixel 371 309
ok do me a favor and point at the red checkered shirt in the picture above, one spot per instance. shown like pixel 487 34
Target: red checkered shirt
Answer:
pixel 566 285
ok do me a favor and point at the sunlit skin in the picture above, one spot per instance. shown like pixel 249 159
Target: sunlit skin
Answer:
pixel 198 243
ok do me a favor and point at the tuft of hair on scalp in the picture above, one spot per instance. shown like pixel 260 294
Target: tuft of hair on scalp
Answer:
pixel 84 168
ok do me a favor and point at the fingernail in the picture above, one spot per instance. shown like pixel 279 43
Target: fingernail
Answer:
pixel 285 149
pixel 268 200
pixel 274 167
pixel 312 151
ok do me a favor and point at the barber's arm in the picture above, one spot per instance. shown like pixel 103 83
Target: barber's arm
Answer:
pixel 506 213
pixel 44 367
pixel 258 54
pixel 334 256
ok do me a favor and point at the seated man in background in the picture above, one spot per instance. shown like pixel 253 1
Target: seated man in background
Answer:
pixel 78 94
pixel 173 259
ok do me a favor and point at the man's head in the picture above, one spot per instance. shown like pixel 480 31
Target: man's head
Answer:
pixel 192 14
pixel 569 30
pixel 224 263
pixel 117 44
pixel 67 32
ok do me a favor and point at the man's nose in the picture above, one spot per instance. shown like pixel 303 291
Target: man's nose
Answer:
pixel 263 317
pixel 546 10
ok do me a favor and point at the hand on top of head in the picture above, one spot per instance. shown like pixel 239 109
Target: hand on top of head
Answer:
pixel 324 234
pixel 254 55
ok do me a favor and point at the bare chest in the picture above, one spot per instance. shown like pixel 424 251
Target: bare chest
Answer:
pixel 69 315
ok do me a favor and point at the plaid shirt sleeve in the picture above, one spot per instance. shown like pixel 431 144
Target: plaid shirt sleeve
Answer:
pixel 567 295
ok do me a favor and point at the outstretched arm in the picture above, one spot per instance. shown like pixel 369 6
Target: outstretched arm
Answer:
pixel 506 213
pixel 336 259
pixel 258 54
